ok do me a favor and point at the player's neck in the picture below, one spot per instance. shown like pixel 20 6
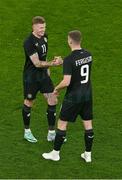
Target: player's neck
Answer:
pixel 36 35
pixel 76 48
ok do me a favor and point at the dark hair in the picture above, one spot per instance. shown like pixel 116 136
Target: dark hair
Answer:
pixel 75 36
pixel 38 20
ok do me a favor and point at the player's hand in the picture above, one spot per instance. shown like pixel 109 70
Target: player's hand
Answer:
pixel 56 92
pixel 58 60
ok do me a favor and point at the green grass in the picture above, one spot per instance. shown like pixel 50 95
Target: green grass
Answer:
pixel 100 22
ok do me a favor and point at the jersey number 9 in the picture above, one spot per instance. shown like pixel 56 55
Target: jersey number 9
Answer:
pixel 84 73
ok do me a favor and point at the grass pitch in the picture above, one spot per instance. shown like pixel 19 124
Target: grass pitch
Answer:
pixel 100 23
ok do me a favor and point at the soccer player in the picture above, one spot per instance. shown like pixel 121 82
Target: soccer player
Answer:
pixel 78 97
pixel 36 77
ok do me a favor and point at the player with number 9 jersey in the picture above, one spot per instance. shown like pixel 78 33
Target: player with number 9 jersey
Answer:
pixel 78 97
pixel 78 65
pixel 79 92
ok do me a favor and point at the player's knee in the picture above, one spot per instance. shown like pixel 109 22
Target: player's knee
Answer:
pixel 28 103
pixel 52 100
pixel 62 125
pixel 87 124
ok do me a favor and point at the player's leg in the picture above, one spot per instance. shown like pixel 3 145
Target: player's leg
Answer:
pixel 68 113
pixel 51 115
pixel 88 134
pixel 26 112
pixel 60 134
pixel 47 87
pixel 59 139
pixel 30 92
pixel 88 138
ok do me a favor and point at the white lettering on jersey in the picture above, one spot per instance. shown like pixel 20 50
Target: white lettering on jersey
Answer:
pixel 83 61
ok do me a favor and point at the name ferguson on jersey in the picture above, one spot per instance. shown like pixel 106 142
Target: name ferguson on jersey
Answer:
pixel 83 61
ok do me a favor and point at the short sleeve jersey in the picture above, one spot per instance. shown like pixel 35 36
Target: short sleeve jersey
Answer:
pixel 34 45
pixel 78 65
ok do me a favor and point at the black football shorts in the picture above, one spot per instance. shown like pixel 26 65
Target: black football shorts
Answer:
pixel 70 111
pixel 32 88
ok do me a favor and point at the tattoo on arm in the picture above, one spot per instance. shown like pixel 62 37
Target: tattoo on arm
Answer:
pixel 38 63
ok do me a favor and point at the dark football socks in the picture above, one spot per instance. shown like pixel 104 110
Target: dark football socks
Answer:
pixel 26 111
pixel 51 116
pixel 88 137
pixel 59 139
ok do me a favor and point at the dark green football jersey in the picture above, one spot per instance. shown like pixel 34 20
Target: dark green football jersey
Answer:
pixel 78 65
pixel 34 45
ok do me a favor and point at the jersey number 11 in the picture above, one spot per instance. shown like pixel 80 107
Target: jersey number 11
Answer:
pixel 43 48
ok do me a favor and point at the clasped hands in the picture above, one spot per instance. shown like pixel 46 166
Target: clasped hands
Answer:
pixel 57 61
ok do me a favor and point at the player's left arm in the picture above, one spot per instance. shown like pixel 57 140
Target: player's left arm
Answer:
pixel 64 83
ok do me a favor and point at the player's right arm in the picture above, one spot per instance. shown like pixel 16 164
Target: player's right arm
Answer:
pixel 31 51
pixel 40 64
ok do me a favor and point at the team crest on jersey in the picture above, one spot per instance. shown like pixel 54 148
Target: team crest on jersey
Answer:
pixel 36 44
pixel 45 39
pixel 29 96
